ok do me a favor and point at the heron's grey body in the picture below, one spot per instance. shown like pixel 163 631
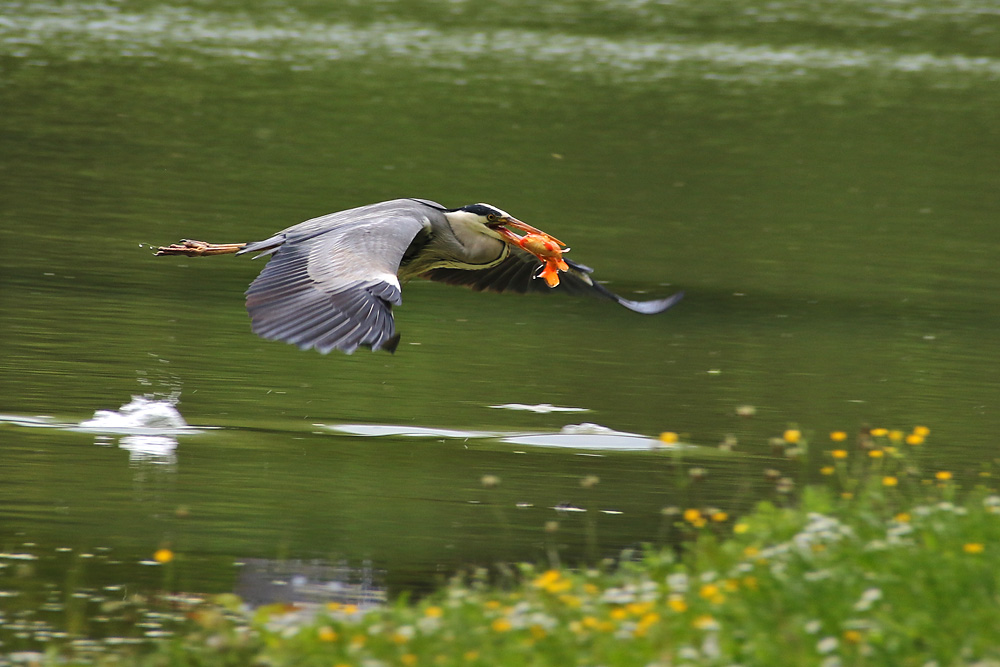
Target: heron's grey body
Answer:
pixel 331 281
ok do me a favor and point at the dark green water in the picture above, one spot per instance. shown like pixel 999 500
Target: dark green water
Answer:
pixel 821 180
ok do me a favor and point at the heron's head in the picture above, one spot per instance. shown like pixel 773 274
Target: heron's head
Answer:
pixel 492 221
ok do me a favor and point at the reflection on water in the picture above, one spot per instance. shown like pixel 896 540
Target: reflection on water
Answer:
pixel 264 581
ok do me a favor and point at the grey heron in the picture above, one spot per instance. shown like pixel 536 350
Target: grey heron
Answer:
pixel 331 281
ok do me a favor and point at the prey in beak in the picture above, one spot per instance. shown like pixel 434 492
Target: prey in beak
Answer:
pixel 547 248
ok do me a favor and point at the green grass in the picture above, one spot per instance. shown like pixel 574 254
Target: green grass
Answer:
pixel 878 563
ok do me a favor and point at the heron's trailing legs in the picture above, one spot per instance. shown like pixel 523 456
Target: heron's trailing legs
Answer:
pixel 193 248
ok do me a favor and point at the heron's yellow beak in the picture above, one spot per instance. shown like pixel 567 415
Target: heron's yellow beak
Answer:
pixel 513 238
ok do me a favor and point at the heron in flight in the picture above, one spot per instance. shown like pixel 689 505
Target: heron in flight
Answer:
pixel 331 281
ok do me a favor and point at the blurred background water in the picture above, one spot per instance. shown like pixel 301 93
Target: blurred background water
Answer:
pixel 820 178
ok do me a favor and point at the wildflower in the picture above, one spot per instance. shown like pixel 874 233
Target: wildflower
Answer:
pixel 750 582
pixel 792 436
pixel 847 495
pixel 896 436
pixel 973 547
pixel 408 659
pixel 537 631
pixel 618 614
pixel 839 453
pixel 942 475
pixel 433 612
pixel 922 431
pixel 327 634
pixel 668 437
pixel 403 634
pixel 677 603
pixel 719 516
pixel 692 515
pixel 471 655
pixel 712 593
pixel 163 556
pixel 741 528
pixel 590 481
pixel 876 453
pixel 751 552
pixel 838 436
pixel 868 598
pixel 500 625
pixel 852 636
pixel 879 432
pixel 489 481
pixel 552 581
pixel 913 439
pixel 827 645
pixel 492 604
pixel 705 622
pixel 889 480
pixel 551 526
pixel 903 517
pixel 645 622
pixel 590 589
pixel 827 470
pixel 746 410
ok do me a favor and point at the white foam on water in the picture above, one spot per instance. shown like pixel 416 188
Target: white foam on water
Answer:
pixel 142 415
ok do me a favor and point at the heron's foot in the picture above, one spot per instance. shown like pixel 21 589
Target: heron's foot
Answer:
pixel 191 248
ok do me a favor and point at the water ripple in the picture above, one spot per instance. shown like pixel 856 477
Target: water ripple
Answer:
pixel 97 31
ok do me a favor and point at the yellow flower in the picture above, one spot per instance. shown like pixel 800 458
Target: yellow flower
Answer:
pixel 618 614
pixel 571 601
pixel 590 589
pixel 668 437
pixel 327 634
pixel 492 604
pixel 408 659
pixel 889 480
pixel 350 609
pixel 922 431
pixel 433 612
pixel 973 547
pixel 751 582
pixel 470 655
pixel 705 622
pixel 879 432
pixel 163 556
pixel 903 517
pixel 827 470
pixel 914 439
pixel 896 436
pixel 876 453
pixel 719 516
pixel 792 436
pixel 537 631
pixel 501 625
pixel 751 551
pixel 741 528
pixel 546 579
pixel 638 608
pixel 731 585
pixel 838 436
pixel 839 453
pixel 852 636
pixel 942 475
pixel 712 593
pixel 590 622
pixel 677 603
pixel 846 495
pixel 692 515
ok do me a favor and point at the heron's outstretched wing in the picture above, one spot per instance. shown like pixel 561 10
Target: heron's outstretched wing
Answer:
pixel 331 281
pixel 517 274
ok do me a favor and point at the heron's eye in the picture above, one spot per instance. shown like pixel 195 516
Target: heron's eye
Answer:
pixel 492 217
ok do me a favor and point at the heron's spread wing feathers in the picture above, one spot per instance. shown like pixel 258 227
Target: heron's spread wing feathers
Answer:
pixel 517 274
pixel 331 281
